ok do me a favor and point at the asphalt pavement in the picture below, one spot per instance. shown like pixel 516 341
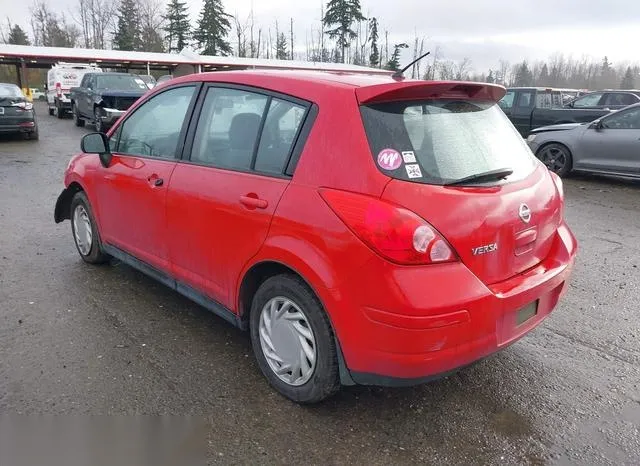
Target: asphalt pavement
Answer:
pixel 79 339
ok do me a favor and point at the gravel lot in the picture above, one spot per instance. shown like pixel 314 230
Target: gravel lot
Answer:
pixel 76 339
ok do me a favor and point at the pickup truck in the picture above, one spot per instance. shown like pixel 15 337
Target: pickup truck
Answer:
pixel 530 107
pixel 102 98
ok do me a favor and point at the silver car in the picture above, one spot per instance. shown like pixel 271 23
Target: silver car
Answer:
pixel 609 145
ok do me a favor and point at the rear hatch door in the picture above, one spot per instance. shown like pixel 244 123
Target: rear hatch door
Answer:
pixel 433 143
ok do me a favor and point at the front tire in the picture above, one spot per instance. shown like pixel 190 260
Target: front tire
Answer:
pixel 85 230
pixel 293 341
pixel 51 111
pixel 97 120
pixel 79 122
pixel 557 158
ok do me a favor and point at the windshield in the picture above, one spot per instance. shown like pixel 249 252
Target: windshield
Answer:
pixel 121 82
pixel 10 90
pixel 441 141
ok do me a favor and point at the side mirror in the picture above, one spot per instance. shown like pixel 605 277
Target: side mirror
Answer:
pixel 97 143
pixel 597 125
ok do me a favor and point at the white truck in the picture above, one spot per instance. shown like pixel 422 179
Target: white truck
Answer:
pixel 60 79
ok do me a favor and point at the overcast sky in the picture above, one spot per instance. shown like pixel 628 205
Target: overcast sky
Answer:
pixel 483 30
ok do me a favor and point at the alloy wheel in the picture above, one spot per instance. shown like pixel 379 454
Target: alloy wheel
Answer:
pixel 554 158
pixel 287 341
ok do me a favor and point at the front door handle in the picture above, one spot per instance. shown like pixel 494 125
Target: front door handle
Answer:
pixel 155 181
pixel 252 201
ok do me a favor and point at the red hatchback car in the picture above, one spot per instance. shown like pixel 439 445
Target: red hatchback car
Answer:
pixel 365 229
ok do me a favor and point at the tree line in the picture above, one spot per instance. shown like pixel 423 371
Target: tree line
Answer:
pixel 341 33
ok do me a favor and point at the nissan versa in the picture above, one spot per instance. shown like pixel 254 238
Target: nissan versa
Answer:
pixel 364 229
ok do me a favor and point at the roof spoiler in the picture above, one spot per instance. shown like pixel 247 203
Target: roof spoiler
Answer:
pixel 420 90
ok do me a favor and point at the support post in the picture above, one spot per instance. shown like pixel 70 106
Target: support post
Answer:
pixel 148 69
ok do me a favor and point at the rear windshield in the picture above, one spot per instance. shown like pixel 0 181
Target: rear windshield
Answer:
pixel 10 90
pixel 441 141
pixel 120 82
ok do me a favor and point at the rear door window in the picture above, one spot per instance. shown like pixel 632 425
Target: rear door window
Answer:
pixel 589 100
pixel 228 128
pixel 440 141
pixel 620 99
pixel 525 99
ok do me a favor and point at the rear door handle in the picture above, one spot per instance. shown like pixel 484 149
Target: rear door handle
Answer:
pixel 252 201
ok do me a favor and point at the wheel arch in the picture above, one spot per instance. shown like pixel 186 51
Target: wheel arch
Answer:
pixel 62 210
pixel 255 275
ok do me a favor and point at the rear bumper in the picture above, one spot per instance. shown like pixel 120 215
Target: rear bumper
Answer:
pixel 21 125
pixel 407 325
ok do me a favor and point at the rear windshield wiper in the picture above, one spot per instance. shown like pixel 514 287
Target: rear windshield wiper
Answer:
pixel 491 175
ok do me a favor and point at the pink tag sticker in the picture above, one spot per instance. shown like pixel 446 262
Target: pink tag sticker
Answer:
pixel 389 159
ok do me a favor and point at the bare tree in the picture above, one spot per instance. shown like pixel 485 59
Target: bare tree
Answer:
pixel 291 37
pixel 503 73
pixel 95 18
pixel 447 70
pixel 241 34
pixel 151 24
pixel 462 69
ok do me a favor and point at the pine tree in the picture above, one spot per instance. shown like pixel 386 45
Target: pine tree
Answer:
pixel 394 63
pixel 374 58
pixel 340 16
pixel 213 28
pixel 543 79
pixel 17 36
pixel 127 34
pixel 628 82
pixel 178 27
pixel 281 47
pixel 524 76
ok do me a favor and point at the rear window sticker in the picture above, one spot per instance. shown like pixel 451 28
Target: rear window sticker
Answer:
pixel 409 156
pixel 413 171
pixel 389 159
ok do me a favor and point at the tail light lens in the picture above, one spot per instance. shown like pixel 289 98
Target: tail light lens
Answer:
pixel 59 89
pixel 23 105
pixel 397 234
pixel 559 186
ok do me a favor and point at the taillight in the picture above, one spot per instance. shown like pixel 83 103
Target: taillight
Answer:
pixel 59 89
pixel 397 234
pixel 558 182
pixel 23 105
pixel 559 186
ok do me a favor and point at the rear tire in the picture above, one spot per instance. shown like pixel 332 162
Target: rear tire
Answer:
pixel 85 230
pixel 310 381
pixel 79 122
pixel 557 158
pixel 59 111
pixel 51 111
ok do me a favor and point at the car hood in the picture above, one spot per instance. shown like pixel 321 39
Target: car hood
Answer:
pixel 561 127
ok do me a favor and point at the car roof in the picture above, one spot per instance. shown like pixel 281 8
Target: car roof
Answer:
pixel 325 85
pixel 324 78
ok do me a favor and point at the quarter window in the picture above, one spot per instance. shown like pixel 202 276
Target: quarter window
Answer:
pixel 154 129
pixel 278 135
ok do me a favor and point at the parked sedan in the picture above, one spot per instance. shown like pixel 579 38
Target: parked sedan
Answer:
pixel 16 112
pixel 608 145
pixel 322 212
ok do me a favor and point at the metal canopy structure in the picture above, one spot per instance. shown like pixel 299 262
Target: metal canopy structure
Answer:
pixel 185 62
